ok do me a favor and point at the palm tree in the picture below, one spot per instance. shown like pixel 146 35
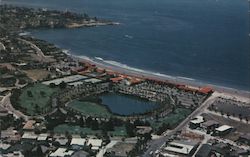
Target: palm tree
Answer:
pixel 240 116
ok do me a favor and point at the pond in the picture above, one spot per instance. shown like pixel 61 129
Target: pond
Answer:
pixel 127 105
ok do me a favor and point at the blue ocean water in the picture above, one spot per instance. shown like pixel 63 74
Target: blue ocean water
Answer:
pixel 207 40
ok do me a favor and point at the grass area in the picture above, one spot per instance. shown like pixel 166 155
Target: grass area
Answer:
pixel 90 108
pixel 73 129
pixel 35 98
pixel 119 131
pixel 173 118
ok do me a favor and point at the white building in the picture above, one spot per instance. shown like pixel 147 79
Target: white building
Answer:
pixel 181 147
pixel 78 141
pixel 61 152
pixel 96 143
pixel 29 136
pixel 13 154
pixel 68 79
pixel 42 137
pixel 224 129
pixel 194 123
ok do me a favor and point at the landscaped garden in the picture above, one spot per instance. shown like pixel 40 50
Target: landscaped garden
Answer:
pixel 90 108
pixel 36 99
pixel 171 120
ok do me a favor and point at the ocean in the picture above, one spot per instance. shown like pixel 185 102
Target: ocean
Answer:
pixel 200 40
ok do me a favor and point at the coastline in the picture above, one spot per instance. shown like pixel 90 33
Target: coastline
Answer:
pixel 126 70
pixel 79 25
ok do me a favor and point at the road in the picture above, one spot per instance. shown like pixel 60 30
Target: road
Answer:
pixel 8 106
pixel 2 47
pixel 104 149
pixel 158 143
pixel 39 52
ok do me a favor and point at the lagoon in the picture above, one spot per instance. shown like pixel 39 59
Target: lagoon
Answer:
pixel 127 105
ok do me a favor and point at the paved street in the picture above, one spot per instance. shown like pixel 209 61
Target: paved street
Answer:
pixel 7 105
pixel 156 144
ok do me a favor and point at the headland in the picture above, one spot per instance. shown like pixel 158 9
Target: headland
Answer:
pixel 49 95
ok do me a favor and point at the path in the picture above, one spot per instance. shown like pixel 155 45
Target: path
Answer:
pixel 8 106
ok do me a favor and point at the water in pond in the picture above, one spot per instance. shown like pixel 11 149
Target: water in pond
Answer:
pixel 127 105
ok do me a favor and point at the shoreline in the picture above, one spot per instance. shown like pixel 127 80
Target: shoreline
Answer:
pixel 189 82
pixel 91 24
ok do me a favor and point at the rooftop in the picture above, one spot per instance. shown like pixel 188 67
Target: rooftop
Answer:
pixel 42 137
pixel 68 79
pixel 95 142
pixel 223 128
pixel 78 141
pixel 182 147
pixel 31 136
pixel 29 125
pixel 92 80
pixel 61 152
pixel 197 120
pixel 210 123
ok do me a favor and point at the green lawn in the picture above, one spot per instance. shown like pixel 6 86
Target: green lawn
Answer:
pixel 119 131
pixel 35 98
pixel 90 108
pixel 173 118
pixel 74 129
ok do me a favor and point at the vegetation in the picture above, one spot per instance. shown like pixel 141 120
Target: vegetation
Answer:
pixel 170 121
pixel 74 129
pixel 90 108
pixel 34 99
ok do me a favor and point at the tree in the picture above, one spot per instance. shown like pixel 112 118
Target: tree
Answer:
pixel 63 85
pixel 240 117
pixel 130 129
pixel 52 85
pixel 37 109
pixel 95 125
pixel 29 93
pixel 147 137
pixel 88 121
pixel 221 112
pixel 42 93
pixel 81 122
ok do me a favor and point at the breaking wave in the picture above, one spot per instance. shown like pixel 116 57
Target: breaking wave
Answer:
pixel 134 69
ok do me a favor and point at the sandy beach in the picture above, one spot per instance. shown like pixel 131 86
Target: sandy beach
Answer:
pixel 232 93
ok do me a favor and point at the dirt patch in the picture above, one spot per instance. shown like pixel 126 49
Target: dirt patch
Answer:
pixel 121 148
pixel 37 74
pixel 8 66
